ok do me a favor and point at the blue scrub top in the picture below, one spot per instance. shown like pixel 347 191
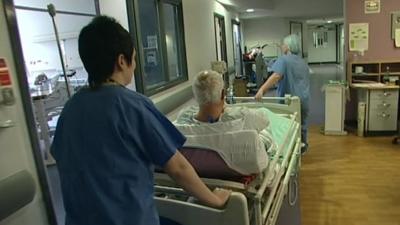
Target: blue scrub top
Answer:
pixel 106 143
pixel 295 77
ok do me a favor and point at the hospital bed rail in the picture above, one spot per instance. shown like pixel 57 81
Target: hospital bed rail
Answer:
pixel 280 104
pixel 236 210
pixel 230 214
pixel 261 213
pixel 289 101
pixel 283 189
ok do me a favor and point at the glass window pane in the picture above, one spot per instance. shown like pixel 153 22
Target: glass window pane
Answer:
pixel 80 6
pixel 40 48
pixel 172 41
pixel 154 75
pixel 43 65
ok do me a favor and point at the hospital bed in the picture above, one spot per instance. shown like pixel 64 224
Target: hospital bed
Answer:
pixel 255 202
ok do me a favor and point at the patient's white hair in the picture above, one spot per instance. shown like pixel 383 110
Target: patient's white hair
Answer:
pixel 207 87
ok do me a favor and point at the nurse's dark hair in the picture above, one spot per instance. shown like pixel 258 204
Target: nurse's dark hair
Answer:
pixel 100 43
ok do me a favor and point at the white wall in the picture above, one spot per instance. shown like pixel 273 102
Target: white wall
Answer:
pixel 117 9
pixel 265 31
pixel 200 39
pixel 326 54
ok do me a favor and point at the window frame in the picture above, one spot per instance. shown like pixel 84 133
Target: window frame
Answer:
pixel 134 26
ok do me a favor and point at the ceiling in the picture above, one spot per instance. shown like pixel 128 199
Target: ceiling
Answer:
pixel 302 9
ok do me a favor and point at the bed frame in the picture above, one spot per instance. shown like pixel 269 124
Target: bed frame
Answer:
pixel 257 203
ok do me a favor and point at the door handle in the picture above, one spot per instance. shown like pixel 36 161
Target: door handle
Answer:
pixel 6 124
pixel 386 94
pixel 384 115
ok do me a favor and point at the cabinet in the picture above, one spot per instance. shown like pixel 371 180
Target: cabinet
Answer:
pixel 381 108
pixel 369 72
pixel 376 83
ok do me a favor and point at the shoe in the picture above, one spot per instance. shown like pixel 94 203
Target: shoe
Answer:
pixel 250 84
pixel 304 149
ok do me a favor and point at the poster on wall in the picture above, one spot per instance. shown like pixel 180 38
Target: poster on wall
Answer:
pixel 395 22
pixel 397 38
pixel 372 6
pixel 358 36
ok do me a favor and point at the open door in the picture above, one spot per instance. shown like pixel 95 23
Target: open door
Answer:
pixel 24 191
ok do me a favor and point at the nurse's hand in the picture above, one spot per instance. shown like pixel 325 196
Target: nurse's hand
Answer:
pixel 259 95
pixel 182 172
pixel 222 195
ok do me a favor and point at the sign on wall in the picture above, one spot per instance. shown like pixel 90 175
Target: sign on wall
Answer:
pixel 395 23
pixel 5 76
pixel 358 36
pixel 372 6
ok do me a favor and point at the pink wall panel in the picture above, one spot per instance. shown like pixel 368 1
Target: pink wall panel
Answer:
pixel 381 45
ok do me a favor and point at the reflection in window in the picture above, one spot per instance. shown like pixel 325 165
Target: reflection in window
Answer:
pixel 153 71
pixel 171 39
pixel 161 50
pixel 320 39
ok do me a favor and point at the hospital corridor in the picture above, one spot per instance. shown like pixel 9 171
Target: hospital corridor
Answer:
pixel 194 112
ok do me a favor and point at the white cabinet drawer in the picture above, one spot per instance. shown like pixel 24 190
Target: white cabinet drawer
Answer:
pixel 384 94
pixel 381 120
pixel 387 104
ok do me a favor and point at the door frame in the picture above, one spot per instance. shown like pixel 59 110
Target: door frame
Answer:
pixel 235 22
pixel 291 25
pixel 221 19
pixel 22 82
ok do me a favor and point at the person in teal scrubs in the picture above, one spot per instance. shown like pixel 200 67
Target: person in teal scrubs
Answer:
pixel 291 74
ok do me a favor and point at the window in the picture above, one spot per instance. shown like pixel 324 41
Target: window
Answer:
pixel 46 81
pixel 320 39
pixel 161 57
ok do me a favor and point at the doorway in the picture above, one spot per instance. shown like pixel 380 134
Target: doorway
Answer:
pixel 220 38
pixel 237 48
pixel 341 42
pixel 297 28
pixel 50 72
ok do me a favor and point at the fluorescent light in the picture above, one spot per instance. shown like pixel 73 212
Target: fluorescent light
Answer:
pixel 249 10
pixel 329 21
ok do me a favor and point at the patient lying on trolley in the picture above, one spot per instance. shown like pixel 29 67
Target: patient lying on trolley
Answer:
pixel 239 135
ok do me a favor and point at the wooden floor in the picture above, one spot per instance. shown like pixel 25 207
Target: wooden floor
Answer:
pixel 350 180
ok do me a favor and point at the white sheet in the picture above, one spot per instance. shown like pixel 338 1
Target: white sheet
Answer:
pixel 241 136
pixel 243 151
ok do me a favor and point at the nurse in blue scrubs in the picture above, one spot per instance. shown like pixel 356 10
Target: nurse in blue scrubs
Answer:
pixel 291 73
pixel 109 138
